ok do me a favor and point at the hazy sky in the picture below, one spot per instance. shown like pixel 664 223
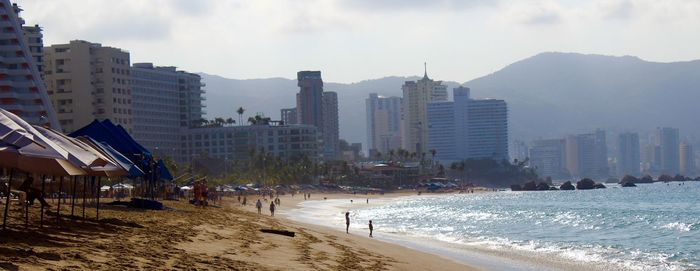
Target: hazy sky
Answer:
pixel 352 40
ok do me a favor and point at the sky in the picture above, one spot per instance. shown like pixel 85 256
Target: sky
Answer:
pixel 354 40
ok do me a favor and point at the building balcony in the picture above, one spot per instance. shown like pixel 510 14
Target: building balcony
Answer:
pixel 10 47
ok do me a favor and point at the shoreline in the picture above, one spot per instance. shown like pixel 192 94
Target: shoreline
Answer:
pixel 478 257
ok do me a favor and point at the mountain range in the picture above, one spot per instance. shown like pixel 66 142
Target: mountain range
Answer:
pixel 549 95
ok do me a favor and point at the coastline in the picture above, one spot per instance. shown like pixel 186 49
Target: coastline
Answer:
pixel 224 236
pixel 317 213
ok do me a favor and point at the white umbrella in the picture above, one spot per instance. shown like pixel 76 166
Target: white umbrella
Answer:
pixel 11 132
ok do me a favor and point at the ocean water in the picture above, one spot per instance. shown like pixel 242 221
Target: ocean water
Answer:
pixel 649 227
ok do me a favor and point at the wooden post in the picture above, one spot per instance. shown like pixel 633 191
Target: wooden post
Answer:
pixel 99 192
pixel 84 194
pixel 43 188
pixel 60 196
pixel 72 200
pixel 7 201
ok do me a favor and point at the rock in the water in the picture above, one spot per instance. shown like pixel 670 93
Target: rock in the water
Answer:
pixel 567 186
pixel 628 184
pixel 585 183
pixel 599 185
pixel 530 186
pixel 542 187
pixel 516 187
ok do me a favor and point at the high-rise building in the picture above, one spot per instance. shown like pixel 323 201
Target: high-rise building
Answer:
pixel 580 155
pixel 22 91
pixel 687 159
pixel 87 81
pixel 310 98
pixel 330 127
pixel 35 40
pixel 383 122
pixel 600 154
pixel 441 131
pixel 518 150
pixel 288 115
pixel 318 108
pixel 414 119
pixel 548 158
pixel 668 141
pixel 628 157
pixel 161 99
pixel 468 128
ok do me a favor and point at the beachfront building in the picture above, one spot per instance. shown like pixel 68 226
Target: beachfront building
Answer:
pixel 319 108
pixel 330 127
pixel 383 123
pixel 87 81
pixel 414 118
pixel 579 155
pixel 235 143
pixel 668 142
pixel 628 157
pixel 548 158
pixel 22 91
pixel 468 128
pixel 166 102
pixel 687 159
pixel 288 115
pixel 586 155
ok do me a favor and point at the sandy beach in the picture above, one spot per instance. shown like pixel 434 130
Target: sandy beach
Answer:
pixel 185 237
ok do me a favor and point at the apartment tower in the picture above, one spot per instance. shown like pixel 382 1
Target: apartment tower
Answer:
pixel 22 91
pixel 416 96
pixel 87 81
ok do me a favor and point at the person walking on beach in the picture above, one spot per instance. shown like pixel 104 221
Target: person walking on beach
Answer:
pixel 245 200
pixel 347 222
pixel 259 206
pixel 371 228
pixel 272 208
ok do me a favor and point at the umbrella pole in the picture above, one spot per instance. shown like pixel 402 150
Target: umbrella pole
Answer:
pixel 43 188
pixel 60 196
pixel 84 194
pixel 99 192
pixel 72 200
pixel 7 201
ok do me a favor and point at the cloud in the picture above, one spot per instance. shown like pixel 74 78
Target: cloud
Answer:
pixel 618 10
pixel 534 13
pixel 402 5
pixel 129 29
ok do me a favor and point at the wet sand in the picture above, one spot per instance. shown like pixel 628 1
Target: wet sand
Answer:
pixel 185 237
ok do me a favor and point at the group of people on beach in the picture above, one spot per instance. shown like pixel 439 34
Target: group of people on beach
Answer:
pixel 201 193
pixel 258 205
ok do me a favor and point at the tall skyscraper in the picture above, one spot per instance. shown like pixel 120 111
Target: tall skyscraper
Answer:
pixel 687 159
pixel 580 155
pixel 441 132
pixel 330 126
pixel 600 154
pixel 383 123
pixel 468 128
pixel 628 157
pixel 87 81
pixel 416 96
pixel 162 100
pixel 548 158
pixel 288 115
pixel 668 141
pixel 318 108
pixel 22 91
pixel 310 98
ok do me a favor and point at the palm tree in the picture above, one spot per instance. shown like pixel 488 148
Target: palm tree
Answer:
pixel 391 155
pixel 230 121
pixel 252 120
pixel 240 114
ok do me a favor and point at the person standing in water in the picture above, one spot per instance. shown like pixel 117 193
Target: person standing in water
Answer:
pixel 347 222
pixel 371 228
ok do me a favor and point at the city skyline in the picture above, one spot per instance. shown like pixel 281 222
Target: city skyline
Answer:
pixel 368 30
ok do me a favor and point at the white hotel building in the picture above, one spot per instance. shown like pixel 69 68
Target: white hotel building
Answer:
pixel 468 128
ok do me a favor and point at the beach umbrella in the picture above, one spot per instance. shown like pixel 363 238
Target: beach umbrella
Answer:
pixel 11 132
